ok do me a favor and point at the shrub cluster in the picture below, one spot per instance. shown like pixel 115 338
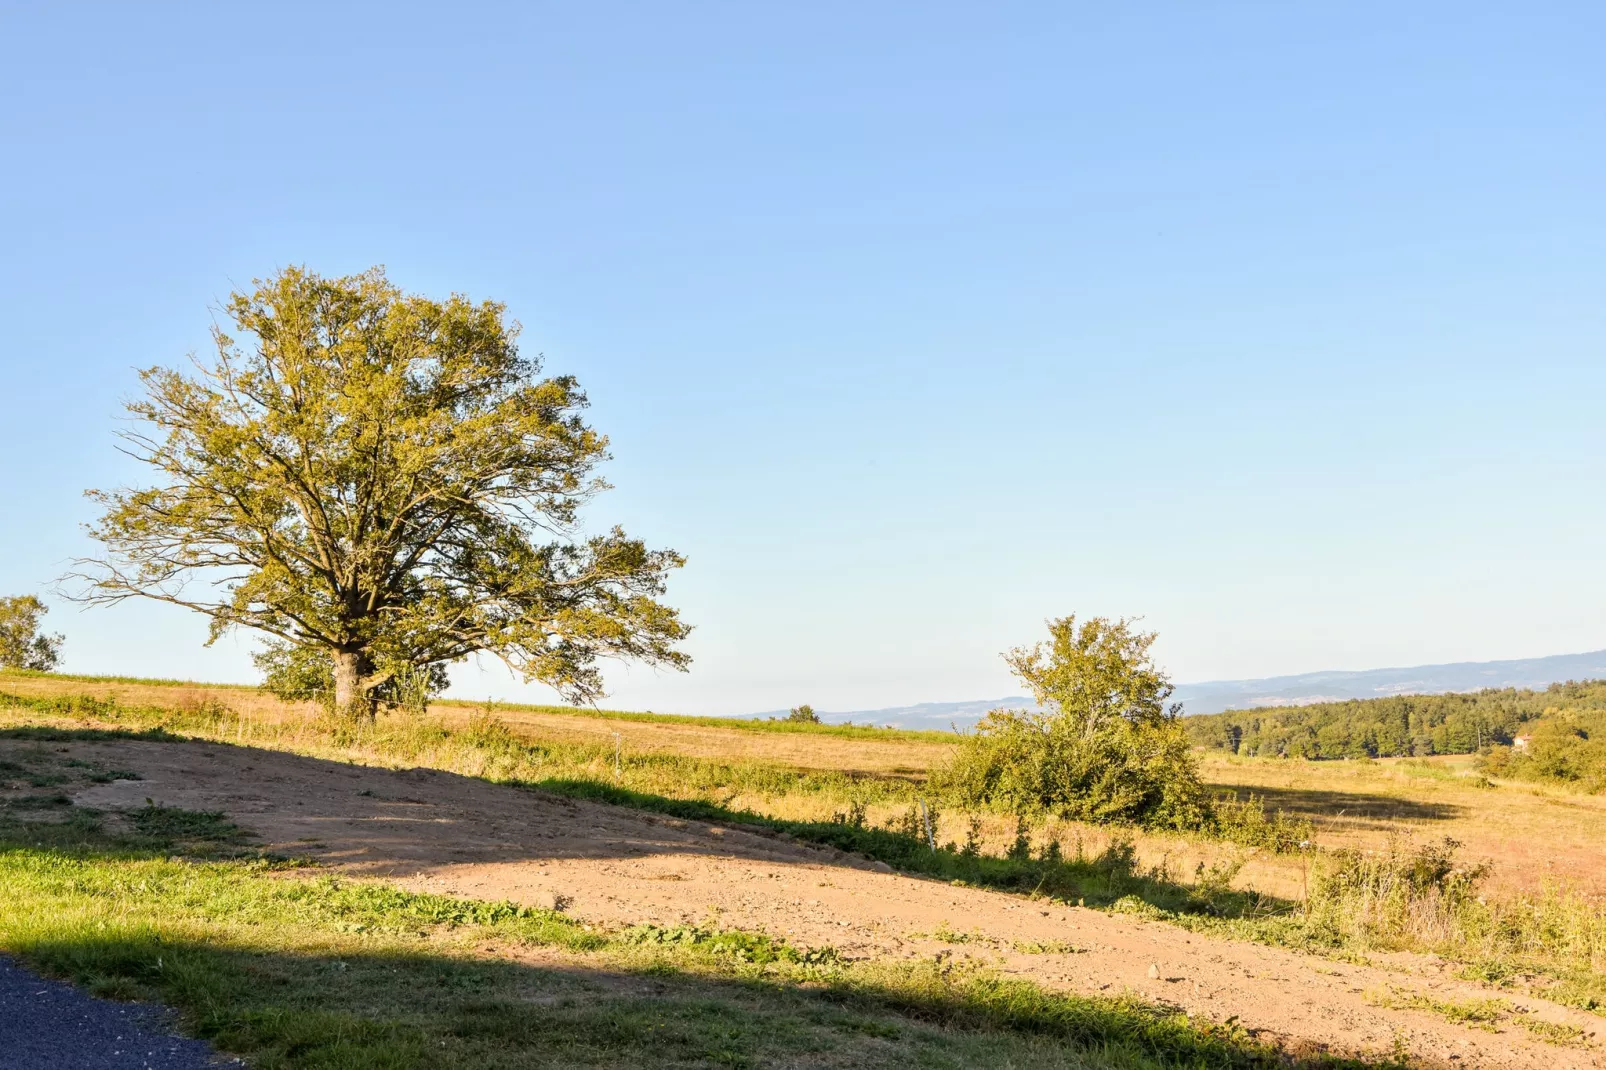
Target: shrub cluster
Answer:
pixel 1564 747
pixel 1102 745
pixel 1421 895
pixel 1024 762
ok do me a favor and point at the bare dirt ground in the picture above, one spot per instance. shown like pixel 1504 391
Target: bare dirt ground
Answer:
pixel 428 830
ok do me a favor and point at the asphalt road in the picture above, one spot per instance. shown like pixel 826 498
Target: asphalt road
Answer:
pixel 48 1025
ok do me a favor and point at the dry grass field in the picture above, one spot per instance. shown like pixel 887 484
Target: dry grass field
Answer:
pixel 1531 834
pixel 898 754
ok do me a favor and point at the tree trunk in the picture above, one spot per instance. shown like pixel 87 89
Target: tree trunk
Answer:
pixel 352 699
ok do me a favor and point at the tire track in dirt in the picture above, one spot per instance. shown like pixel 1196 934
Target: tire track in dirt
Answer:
pixel 428 830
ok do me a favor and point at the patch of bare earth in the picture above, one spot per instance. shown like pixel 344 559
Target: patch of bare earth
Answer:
pixel 428 830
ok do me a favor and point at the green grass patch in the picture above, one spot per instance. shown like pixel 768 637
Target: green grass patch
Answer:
pixel 1483 1014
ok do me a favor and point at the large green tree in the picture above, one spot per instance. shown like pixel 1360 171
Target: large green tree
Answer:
pixel 385 478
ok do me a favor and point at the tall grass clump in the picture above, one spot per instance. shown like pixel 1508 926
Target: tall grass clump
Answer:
pixel 1422 896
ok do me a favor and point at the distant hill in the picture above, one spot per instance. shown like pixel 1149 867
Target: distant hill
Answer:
pixel 1305 689
pixel 1336 686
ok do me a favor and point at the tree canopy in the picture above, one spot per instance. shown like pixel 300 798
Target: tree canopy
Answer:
pixel 1391 725
pixel 385 478
pixel 1102 746
pixel 22 644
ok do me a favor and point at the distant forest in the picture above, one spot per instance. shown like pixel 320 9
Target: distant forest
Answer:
pixel 1399 725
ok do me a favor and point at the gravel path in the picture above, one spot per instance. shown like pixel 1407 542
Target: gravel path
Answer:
pixel 48 1025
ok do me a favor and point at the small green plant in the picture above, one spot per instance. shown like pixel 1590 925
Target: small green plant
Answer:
pixel 1020 849
pixel 972 848
pixel 853 816
pixel 1483 1014
pixel 171 826
pixel 1558 1033
pixel 803 714
pixel 106 776
pixel 1046 947
pixel 949 935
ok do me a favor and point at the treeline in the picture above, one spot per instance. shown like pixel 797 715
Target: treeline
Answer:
pixel 1566 746
pixel 1396 726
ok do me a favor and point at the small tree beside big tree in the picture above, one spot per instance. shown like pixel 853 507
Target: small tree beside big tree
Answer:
pixel 385 481
pixel 22 644
pixel 1103 744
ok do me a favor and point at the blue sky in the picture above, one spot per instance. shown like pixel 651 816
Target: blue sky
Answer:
pixel 912 324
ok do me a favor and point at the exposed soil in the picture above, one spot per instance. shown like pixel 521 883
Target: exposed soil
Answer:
pixel 428 830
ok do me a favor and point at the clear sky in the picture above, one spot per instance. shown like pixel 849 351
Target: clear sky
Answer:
pixel 1280 325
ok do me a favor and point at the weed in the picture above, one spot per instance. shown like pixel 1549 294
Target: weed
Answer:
pixel 172 825
pixel 1046 947
pixel 1558 1033
pixel 1482 1014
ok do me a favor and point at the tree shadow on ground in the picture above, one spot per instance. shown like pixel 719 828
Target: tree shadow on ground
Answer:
pixel 399 1009
pixel 1322 805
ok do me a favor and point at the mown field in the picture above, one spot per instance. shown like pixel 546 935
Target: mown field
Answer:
pixel 1517 904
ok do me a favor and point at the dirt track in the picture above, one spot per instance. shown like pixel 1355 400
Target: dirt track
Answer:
pixel 435 831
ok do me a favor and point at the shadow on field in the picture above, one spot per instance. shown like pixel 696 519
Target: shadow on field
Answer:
pixel 406 1009
pixel 1352 806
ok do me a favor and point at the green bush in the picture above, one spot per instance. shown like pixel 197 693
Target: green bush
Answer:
pixel 1029 763
pixel 1102 746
